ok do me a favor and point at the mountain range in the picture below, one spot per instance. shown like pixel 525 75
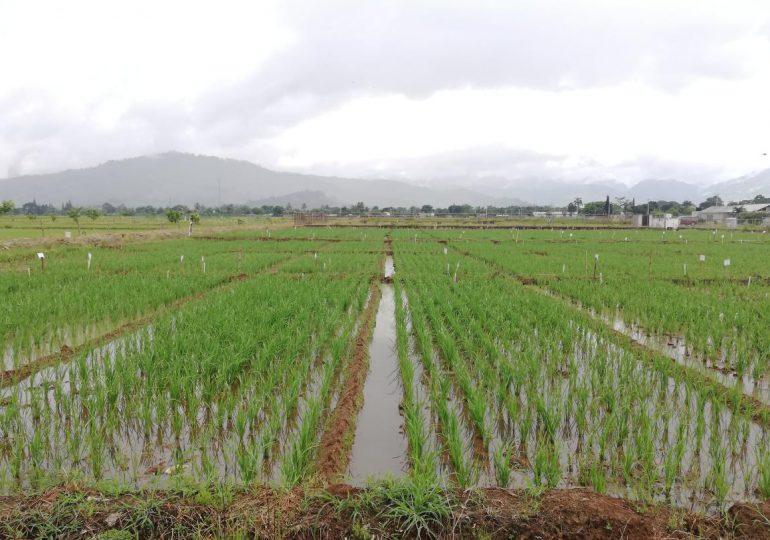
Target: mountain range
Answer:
pixel 177 178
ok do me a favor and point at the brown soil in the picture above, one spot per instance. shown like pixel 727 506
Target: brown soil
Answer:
pixel 334 451
pixel 751 520
pixel 345 512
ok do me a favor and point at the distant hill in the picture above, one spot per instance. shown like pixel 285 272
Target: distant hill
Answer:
pixel 177 178
pixel 663 190
pixel 745 187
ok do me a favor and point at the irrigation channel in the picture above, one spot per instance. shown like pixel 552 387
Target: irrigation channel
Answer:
pixel 379 446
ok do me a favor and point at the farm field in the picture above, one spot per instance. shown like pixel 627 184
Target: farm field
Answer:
pixel 412 364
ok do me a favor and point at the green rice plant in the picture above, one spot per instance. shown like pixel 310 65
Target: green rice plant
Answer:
pixel 501 459
pixel 763 472
pixel 415 506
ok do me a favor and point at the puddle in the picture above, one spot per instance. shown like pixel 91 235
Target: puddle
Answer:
pixel 380 447
pixel 390 267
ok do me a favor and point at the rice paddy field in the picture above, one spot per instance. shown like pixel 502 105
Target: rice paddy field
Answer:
pixel 632 363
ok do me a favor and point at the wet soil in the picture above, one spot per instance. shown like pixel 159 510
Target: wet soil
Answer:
pixel 346 512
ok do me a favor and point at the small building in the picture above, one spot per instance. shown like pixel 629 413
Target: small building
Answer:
pixel 720 214
pixel 666 221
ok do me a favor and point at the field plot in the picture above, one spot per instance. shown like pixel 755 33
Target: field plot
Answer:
pixel 309 356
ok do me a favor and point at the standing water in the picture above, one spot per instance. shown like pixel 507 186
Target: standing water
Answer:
pixel 380 447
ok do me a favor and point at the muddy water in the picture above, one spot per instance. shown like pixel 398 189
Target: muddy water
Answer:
pixel 380 447
pixel 390 269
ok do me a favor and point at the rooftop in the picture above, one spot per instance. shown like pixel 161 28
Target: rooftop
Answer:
pixel 732 208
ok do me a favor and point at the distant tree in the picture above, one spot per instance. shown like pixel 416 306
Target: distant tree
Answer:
pixel 711 201
pixel 74 214
pixel 173 215
pixel 622 203
pixel 460 209
pixel 277 210
pixel 578 202
pixel 571 208
pixel 594 208
pixel 426 209
pixel 92 213
pixel 607 207
pixel 6 207
pixel 195 217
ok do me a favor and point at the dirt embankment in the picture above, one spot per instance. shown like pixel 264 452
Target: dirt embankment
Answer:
pixel 346 512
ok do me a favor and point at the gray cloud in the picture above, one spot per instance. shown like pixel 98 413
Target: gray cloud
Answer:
pixel 346 49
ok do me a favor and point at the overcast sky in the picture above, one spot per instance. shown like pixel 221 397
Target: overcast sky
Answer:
pixel 436 92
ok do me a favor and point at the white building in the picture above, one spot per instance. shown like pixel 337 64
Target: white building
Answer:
pixel 666 221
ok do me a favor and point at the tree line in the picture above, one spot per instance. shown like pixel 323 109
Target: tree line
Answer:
pixel 175 213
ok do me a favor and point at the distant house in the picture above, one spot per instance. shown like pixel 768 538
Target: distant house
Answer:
pixel 720 214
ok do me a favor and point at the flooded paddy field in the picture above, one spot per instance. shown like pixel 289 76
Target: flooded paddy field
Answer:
pixel 312 356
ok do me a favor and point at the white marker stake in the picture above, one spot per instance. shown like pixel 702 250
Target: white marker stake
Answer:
pixel 168 274
pixel 29 272
pixel 203 264
pixel 89 260
pixel 601 278
pixel 563 268
pixel 726 262
pixel 445 251
pixel 41 256
pixel 702 258
pixel 456 269
pixel 685 269
pixel 181 259
pixel 749 283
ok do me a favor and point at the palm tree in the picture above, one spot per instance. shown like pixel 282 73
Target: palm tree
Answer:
pixel 578 202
